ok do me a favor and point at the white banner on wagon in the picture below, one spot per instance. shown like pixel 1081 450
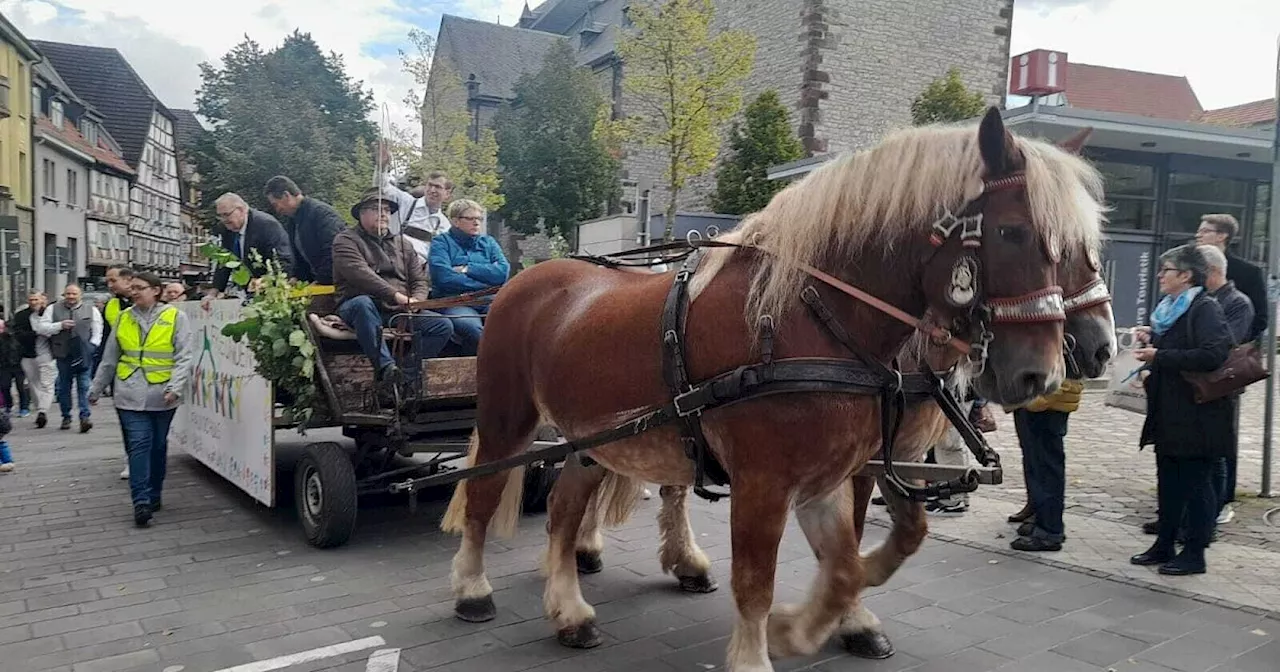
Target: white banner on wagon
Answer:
pixel 225 418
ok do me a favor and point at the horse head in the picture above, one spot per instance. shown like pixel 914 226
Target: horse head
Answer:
pixel 994 275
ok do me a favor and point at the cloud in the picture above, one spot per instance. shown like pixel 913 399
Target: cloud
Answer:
pixel 165 46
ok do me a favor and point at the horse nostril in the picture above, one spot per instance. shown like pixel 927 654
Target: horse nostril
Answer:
pixel 1104 354
pixel 1034 382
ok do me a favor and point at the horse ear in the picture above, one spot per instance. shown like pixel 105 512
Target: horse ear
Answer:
pixel 1076 142
pixel 995 143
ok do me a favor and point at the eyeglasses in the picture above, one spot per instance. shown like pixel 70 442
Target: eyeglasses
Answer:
pixel 469 219
pixel 1169 269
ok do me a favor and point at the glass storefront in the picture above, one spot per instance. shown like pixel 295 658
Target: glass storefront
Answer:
pixel 1131 195
pixel 1257 250
pixel 1192 195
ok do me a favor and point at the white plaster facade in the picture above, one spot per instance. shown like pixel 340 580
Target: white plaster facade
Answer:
pixel 155 226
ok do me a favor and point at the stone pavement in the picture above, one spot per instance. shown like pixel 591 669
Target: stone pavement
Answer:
pixel 219 582
pixel 1111 492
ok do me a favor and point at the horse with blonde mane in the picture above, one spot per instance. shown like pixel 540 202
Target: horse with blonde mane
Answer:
pixel 966 223
pixel 1090 333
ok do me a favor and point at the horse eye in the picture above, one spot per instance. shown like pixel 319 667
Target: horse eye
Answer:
pixel 1013 234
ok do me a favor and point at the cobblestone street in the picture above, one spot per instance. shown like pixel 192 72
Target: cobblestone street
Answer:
pixel 220 583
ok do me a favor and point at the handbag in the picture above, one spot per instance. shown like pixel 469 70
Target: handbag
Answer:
pixel 1242 368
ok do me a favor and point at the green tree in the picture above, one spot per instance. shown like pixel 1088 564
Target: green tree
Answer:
pixel 446 143
pixel 946 99
pixel 355 179
pixel 683 82
pixel 765 138
pixel 291 111
pixel 554 167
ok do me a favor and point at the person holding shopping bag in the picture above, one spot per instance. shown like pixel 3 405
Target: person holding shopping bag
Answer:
pixel 149 360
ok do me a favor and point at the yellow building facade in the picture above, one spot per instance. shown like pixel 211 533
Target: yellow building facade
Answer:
pixel 16 178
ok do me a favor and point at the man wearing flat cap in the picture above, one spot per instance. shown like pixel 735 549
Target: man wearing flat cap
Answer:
pixel 377 275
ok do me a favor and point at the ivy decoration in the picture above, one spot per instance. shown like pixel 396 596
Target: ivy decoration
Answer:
pixel 272 323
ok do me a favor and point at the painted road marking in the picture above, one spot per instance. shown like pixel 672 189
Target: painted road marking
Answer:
pixel 384 660
pixel 321 653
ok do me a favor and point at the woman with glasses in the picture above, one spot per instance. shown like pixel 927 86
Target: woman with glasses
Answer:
pixel 464 260
pixel 1188 332
pixel 149 358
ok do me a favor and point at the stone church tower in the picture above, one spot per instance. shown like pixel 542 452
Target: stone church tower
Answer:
pixel 847 69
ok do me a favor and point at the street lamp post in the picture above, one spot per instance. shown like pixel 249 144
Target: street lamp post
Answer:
pixel 1273 291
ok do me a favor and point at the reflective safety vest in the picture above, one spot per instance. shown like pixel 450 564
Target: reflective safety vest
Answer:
pixel 112 311
pixel 152 352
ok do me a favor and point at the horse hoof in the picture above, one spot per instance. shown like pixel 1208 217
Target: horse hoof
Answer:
pixel 868 644
pixel 584 636
pixel 476 609
pixel 698 584
pixel 589 563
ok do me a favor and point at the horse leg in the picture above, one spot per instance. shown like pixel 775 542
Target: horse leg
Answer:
pixel 757 518
pixel 562 600
pixel 590 542
pixel 680 554
pixel 863 486
pixel 475 503
pixel 905 537
pixel 860 630
pixel 827 522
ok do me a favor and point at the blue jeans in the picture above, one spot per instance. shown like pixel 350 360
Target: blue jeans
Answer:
pixel 431 331
pixel 147 439
pixel 6 457
pixel 64 389
pixel 467 327
pixel 1044 461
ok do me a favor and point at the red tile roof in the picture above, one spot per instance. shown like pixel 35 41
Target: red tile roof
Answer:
pixel 1095 87
pixel 71 135
pixel 1248 114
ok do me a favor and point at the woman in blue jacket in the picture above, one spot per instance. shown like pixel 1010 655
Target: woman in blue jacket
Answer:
pixel 464 260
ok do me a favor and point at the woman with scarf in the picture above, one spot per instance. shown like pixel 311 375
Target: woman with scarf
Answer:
pixel 464 260
pixel 1188 332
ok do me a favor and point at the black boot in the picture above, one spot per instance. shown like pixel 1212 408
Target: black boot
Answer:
pixel 1027 513
pixel 141 514
pixel 1158 554
pixel 1189 561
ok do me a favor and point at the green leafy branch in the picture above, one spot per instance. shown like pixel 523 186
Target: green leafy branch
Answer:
pixel 273 324
pixel 240 274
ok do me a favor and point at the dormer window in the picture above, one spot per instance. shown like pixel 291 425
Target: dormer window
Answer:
pixel 89 130
pixel 55 113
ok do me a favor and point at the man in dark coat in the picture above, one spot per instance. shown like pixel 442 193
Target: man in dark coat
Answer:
pixel 311 227
pixel 249 229
pixel 1219 230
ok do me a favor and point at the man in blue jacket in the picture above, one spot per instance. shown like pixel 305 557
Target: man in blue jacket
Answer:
pixel 464 260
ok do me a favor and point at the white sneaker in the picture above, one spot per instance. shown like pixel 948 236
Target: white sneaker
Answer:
pixel 6 467
pixel 647 494
pixel 124 475
pixel 1226 514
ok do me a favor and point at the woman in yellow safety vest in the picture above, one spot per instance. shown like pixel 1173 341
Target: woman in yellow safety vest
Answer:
pixel 149 360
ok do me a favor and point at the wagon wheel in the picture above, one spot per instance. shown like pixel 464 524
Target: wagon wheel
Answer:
pixel 325 494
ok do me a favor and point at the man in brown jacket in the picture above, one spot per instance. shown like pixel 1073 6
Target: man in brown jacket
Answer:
pixel 377 275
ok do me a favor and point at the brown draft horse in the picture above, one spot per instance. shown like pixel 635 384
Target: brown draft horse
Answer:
pixel 575 344
pixel 1090 329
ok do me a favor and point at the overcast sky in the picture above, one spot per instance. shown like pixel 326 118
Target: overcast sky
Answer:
pixel 1225 47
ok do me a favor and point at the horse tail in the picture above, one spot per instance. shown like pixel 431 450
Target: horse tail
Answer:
pixel 617 498
pixel 456 515
pixel 508 513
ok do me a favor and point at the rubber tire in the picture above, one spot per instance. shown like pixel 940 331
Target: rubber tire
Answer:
pixel 336 519
pixel 538 481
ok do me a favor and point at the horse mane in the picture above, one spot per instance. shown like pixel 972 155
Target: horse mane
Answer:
pixel 877 198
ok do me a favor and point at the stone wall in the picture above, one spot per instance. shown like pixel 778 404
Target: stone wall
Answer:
pixel 875 56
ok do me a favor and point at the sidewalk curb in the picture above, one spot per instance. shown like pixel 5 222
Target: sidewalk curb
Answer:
pixel 1118 578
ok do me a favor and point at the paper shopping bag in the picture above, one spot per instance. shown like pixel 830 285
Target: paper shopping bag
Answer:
pixel 1125 390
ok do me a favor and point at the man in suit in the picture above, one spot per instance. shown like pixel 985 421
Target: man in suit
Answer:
pixel 311 226
pixel 249 229
pixel 1218 230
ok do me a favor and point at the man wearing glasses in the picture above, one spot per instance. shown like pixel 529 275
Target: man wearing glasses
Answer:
pixel 249 229
pixel 420 214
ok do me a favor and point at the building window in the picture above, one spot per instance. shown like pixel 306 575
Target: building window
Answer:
pixel 90 132
pixel 1257 251
pixel 73 187
pixel 55 113
pixel 36 106
pixel 1131 193
pixel 23 172
pixel 1192 195
pixel 50 180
